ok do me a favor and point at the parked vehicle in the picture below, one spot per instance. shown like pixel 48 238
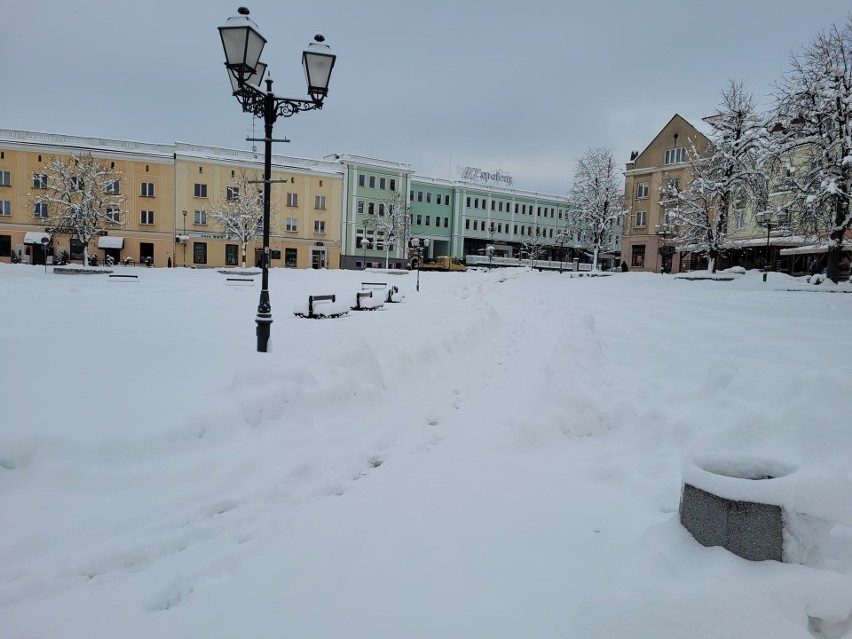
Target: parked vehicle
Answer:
pixel 443 263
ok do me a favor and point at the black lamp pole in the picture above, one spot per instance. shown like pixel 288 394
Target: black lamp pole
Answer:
pixel 243 45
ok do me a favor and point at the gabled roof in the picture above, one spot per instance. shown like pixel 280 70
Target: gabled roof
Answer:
pixel 676 126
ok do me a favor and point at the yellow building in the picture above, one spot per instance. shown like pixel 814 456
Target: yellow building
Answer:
pixel 646 239
pixel 171 191
pixel 147 182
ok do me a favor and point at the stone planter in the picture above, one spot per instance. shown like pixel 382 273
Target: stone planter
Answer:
pixel 757 508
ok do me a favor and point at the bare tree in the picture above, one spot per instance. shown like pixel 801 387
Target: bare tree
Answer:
pixel 80 197
pixel 691 212
pixel 534 243
pixel 394 223
pixel 812 139
pixel 719 175
pixel 239 214
pixel 596 201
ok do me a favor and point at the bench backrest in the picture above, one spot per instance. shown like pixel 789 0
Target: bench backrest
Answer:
pixel 318 298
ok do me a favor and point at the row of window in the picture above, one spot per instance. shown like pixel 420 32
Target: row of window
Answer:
pixel 520 209
pixel 440 198
pixel 419 220
pixel 382 183
pixel 499 228
pixel 642 187
pixel 232 255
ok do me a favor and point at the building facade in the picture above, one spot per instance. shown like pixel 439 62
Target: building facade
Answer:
pixel 646 243
pixel 170 192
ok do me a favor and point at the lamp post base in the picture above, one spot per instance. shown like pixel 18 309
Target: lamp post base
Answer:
pixel 264 321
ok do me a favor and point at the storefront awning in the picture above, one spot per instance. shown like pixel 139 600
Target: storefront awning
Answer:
pixel 110 242
pixel 34 237
pixel 812 249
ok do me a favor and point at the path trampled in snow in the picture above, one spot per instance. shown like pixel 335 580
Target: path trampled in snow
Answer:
pixel 499 455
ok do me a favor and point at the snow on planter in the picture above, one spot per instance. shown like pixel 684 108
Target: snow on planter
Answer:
pixel 762 508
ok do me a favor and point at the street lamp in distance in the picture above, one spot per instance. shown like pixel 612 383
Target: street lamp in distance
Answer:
pixel 663 231
pixel 764 218
pixel 419 244
pixel 243 46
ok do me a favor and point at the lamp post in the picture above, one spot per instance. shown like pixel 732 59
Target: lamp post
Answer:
pixel 243 45
pixel 183 239
pixel 419 244
pixel 764 218
pixel 490 248
pixel 662 231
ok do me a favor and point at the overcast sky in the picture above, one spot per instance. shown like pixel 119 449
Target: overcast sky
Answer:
pixel 525 87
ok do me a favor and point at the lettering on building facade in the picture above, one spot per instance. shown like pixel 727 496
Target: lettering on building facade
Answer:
pixel 472 174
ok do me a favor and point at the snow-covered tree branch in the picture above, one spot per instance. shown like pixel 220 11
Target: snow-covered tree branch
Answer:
pixel 812 139
pixel 80 196
pixel 596 202
pixel 238 213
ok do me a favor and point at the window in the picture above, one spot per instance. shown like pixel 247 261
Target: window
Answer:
pixel 199 252
pixel 232 255
pixel 361 179
pixel 392 184
pixel 428 220
pixel 382 183
pixel 642 189
pixel 5 207
pixel 5 178
pixel 360 207
pixel 147 217
pixel 476 202
pixel 372 181
pixel 319 227
pixel 516 208
pixel 515 229
pixel 641 219
pixel 113 214
pixel 493 205
pixel 467 225
pixel 446 222
pixel 637 256
pixel 371 208
pixel 291 226
pixel 476 225
pixel 319 202
pixel 419 196
pixel 291 257
pixel 147 189
pixel 428 198
pixel 39 180
pixel 40 209
pixel 76 183
pixel 673 156
pixel 292 199
pixel 739 219
pixel 673 183
pixel 411 195
pixel 200 190
pixel 468 201
pixel 200 219
pixel 419 219
pixel 112 188
pixel 5 245
pixel 232 193
pixel 381 208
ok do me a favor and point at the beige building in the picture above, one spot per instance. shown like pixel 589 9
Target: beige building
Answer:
pixel 170 192
pixel 646 239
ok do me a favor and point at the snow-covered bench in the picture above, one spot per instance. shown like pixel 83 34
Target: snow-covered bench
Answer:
pixel 392 296
pixel 366 302
pixel 321 307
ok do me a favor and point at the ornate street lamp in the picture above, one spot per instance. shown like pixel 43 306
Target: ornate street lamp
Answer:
pixel 419 244
pixel 243 46
pixel 764 218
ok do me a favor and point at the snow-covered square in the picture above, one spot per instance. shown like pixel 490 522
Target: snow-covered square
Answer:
pixel 499 455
